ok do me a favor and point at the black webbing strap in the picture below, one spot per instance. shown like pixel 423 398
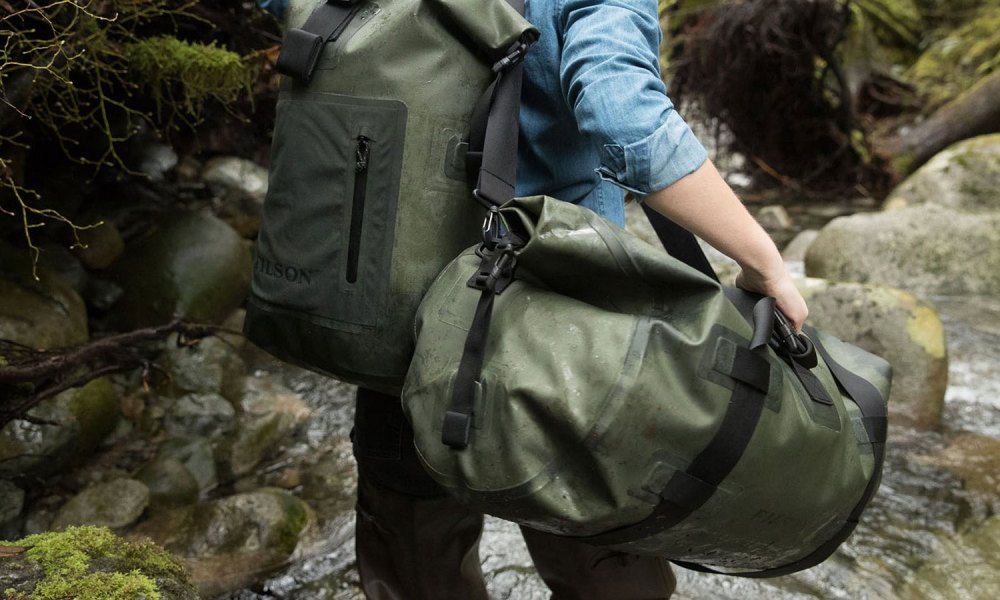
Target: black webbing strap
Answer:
pixel 679 242
pixel 688 490
pixel 874 416
pixel 495 273
pixel 301 47
pixel 491 160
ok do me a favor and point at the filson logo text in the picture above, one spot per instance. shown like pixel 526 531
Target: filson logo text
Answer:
pixel 279 271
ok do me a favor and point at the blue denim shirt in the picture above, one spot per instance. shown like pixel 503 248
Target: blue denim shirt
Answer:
pixel 595 116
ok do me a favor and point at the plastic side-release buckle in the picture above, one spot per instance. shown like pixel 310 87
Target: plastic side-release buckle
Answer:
pixel 496 271
pixel 299 54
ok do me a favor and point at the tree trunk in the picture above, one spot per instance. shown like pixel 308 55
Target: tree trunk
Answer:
pixel 976 112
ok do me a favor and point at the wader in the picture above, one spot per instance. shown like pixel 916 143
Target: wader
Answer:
pixel 414 542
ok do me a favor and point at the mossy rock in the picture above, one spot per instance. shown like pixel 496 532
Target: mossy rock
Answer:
pixel 192 266
pixel 91 563
pixel 954 63
pixel 965 177
pixel 895 325
pixel 228 543
pixel 84 417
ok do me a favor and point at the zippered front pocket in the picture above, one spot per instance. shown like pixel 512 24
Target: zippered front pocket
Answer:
pixel 362 156
pixel 327 233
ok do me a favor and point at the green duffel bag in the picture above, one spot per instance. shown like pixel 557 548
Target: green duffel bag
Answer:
pixel 574 379
pixel 370 160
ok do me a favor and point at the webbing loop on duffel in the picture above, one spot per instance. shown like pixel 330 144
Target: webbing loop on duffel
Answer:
pixel 302 46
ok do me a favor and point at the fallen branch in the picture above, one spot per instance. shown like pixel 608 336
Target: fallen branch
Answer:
pixel 41 374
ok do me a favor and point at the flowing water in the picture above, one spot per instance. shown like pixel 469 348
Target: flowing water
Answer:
pixel 919 506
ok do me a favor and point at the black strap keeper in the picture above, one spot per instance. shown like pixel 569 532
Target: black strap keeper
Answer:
pixel 299 54
pixel 457 430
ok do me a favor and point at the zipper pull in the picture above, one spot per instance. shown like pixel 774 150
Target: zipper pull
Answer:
pixel 362 154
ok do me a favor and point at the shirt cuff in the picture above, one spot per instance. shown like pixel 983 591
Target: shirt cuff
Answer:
pixel 655 162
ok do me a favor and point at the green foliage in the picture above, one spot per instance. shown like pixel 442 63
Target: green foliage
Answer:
pixel 66 558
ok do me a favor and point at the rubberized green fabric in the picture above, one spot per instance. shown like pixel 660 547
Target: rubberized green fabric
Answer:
pixel 609 367
pixel 368 197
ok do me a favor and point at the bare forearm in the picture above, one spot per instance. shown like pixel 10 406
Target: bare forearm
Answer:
pixel 704 204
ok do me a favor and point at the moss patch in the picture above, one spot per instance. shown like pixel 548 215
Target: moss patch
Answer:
pixel 186 74
pixel 68 558
pixel 953 64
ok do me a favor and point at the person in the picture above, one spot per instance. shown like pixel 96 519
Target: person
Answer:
pixel 595 122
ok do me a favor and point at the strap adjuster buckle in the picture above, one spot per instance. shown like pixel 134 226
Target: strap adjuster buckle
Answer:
pixel 514 55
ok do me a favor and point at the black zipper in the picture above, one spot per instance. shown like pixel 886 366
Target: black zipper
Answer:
pixel 362 154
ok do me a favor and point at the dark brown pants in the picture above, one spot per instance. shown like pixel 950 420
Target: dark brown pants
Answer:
pixel 415 543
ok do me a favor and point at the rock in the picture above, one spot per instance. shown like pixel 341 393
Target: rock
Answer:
pixel 229 543
pixel 796 249
pixel 114 504
pixel 195 454
pixel 192 266
pixel 925 249
pixel 896 326
pixel 774 217
pixel 156 159
pixel 939 233
pixel 966 567
pixel 964 177
pixel 237 174
pixel 207 415
pixel 270 411
pixel 170 484
pixel 40 314
pixel 85 416
pixel 242 187
pixel 11 502
pixel 975 459
pixel 102 245
pixel 91 562
pixel 212 366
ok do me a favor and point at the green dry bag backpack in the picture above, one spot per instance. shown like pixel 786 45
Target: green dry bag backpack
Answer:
pixel 572 378
pixel 369 196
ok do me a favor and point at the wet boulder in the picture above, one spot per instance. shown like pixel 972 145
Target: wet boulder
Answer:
pixel 192 265
pixel 241 186
pixel 208 415
pixel 114 504
pixel 975 459
pixel 212 366
pixel 269 412
pixel 45 313
pixel 170 484
pixel 84 417
pixel 101 245
pixel 895 325
pixel 11 501
pixel 228 543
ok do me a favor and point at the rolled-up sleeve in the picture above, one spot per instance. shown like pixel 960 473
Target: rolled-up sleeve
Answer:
pixel 610 78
